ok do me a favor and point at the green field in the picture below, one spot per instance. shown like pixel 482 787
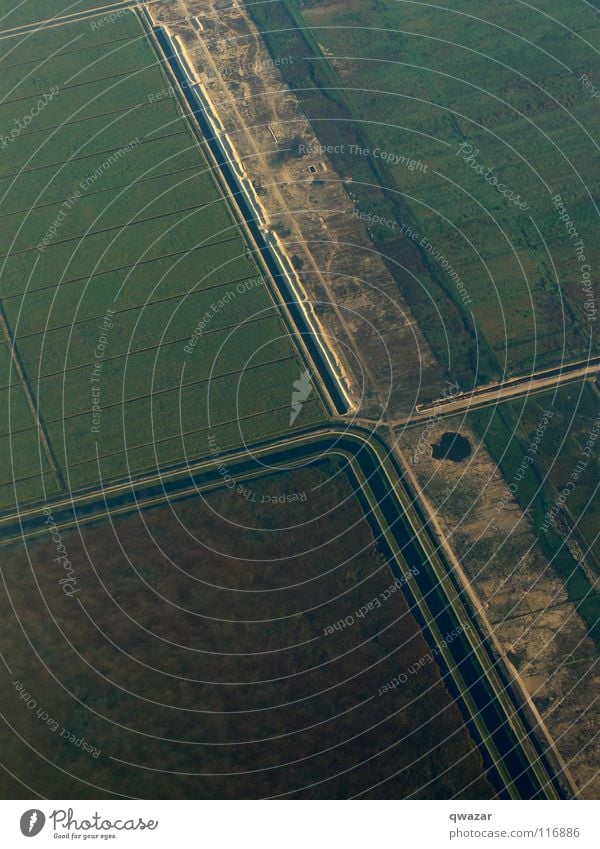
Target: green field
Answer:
pixel 551 467
pixel 16 13
pixel 417 80
pixel 118 247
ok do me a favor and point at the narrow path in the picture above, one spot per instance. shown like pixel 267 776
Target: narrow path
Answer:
pixel 498 393
pixel 31 401
pixel 61 20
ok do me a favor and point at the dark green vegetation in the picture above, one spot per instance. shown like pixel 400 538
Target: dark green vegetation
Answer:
pixel 140 318
pixel 547 448
pixel 14 13
pixel 210 622
pixel 495 287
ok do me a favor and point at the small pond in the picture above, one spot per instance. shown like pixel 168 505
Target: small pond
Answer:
pixel 452 446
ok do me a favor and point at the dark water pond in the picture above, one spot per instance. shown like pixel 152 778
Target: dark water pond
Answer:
pixel 452 446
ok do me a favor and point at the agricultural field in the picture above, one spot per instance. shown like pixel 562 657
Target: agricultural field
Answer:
pixel 137 321
pixel 195 651
pixel 15 14
pixel 457 131
pixel 548 450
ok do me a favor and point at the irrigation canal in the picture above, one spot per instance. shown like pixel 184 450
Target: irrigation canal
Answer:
pixel 302 326
pixel 362 452
pixel 518 765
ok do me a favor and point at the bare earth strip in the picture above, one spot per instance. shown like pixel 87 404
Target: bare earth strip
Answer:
pixel 353 296
pixel 521 595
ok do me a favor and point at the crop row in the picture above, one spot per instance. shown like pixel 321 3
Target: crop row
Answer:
pixel 188 447
pixel 121 247
pixel 80 101
pixel 164 416
pixel 119 208
pixel 57 183
pixel 92 140
pixel 202 269
pixel 166 366
pixel 33 11
pixel 99 61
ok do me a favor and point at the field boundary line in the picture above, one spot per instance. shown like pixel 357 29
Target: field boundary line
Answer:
pixel 100 191
pixel 179 386
pixel 115 268
pixel 24 382
pixel 37 59
pixel 86 155
pixel 187 294
pixel 62 20
pixel 135 351
pixel 204 458
pixel 122 226
pixel 126 74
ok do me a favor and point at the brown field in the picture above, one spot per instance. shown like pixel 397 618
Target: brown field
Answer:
pixel 198 657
